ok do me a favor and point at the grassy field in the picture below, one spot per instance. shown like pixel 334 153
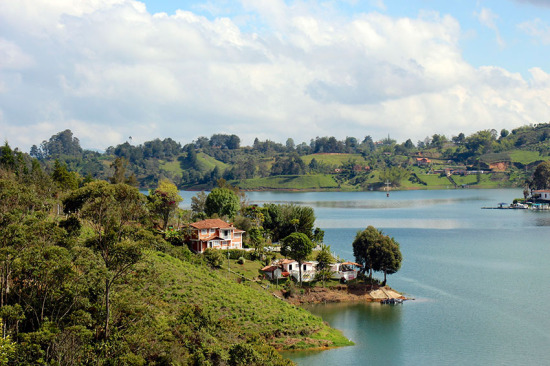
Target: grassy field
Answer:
pixel 298 182
pixel 334 159
pixel 206 163
pixel 526 157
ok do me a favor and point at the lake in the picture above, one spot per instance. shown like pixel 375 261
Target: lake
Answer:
pixel 479 278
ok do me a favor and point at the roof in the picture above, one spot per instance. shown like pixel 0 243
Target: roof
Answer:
pixel 287 261
pixel 352 264
pixel 542 191
pixel 211 224
pixel 269 268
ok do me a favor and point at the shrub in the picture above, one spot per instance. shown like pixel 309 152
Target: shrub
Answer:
pixel 213 257
pixel 241 260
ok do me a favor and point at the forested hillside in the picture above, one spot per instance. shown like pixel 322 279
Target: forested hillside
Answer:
pixel 486 158
pixel 89 275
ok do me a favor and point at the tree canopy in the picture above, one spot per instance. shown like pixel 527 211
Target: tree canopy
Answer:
pixel 298 247
pixel 223 202
pixel 377 252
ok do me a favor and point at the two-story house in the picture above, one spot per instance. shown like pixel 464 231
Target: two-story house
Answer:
pixel 214 233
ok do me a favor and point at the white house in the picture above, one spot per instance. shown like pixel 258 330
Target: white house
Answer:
pixel 542 194
pixel 289 267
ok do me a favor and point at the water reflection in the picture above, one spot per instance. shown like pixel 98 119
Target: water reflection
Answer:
pixel 376 203
pixel 380 345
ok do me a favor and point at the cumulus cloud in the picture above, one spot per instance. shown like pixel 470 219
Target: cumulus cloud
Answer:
pixel 108 69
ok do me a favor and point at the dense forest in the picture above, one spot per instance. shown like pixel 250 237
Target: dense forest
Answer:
pixel 486 159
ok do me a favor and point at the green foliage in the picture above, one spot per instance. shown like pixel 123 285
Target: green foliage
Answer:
pixel 541 176
pixel 214 257
pixel 325 259
pixel 298 247
pixel 163 201
pixel 377 252
pixel 223 202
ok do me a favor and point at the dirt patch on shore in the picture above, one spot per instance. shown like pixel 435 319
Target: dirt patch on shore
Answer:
pixel 343 293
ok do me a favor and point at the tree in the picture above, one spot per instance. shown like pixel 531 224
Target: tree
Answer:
pixel 377 252
pixel 198 205
pixel 112 211
pixel 65 180
pixel 541 176
pixel 324 259
pixel 222 201
pixel 361 244
pixel 298 247
pixel 386 256
pixel 164 200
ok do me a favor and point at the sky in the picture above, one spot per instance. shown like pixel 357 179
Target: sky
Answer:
pixel 113 71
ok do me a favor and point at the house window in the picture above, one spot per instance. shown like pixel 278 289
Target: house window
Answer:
pixel 225 233
pixel 305 267
pixel 290 267
pixel 203 232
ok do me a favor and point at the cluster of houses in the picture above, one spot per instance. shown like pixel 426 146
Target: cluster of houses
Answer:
pixel 289 268
pixel 218 234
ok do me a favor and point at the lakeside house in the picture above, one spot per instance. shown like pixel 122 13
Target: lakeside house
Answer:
pixel 284 268
pixel 216 234
pixel 541 194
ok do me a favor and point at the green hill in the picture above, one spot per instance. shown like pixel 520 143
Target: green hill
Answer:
pixel 171 304
pixel 299 182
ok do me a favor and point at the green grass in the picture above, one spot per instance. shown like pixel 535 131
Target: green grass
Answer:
pixel 525 157
pixel 334 159
pixel 298 182
pixel 206 162
pixel 169 285
pixel 171 166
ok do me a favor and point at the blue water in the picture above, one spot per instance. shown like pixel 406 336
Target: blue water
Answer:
pixel 479 278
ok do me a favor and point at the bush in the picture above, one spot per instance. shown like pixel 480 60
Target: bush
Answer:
pixel 241 260
pixel 238 253
pixel 214 257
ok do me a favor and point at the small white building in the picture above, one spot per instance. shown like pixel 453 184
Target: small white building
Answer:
pixel 542 194
pixel 290 268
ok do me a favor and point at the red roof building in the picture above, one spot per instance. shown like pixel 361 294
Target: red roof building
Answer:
pixel 216 234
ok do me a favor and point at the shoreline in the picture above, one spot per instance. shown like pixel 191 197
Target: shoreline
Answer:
pixel 343 294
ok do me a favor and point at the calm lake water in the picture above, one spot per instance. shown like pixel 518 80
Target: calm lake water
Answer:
pixel 480 278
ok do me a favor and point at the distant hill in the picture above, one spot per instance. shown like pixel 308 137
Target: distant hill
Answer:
pixel 507 159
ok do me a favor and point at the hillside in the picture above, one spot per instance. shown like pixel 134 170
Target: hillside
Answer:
pixel 170 302
pixel 507 159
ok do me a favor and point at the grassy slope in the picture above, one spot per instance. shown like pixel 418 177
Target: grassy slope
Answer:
pixel 303 182
pixel 167 285
pixel 206 163
pixel 333 159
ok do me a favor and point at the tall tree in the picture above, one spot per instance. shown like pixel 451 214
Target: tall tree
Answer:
pixel 376 251
pixel 112 210
pixel 164 200
pixel 324 260
pixel 223 202
pixel 541 176
pixel 298 247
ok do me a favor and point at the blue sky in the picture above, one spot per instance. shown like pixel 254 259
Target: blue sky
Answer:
pixel 270 69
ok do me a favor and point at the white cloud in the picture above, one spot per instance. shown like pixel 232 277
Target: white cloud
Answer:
pixel 108 69
pixel 488 18
pixel 537 29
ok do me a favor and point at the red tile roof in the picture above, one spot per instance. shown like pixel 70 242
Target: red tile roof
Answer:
pixel 211 224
